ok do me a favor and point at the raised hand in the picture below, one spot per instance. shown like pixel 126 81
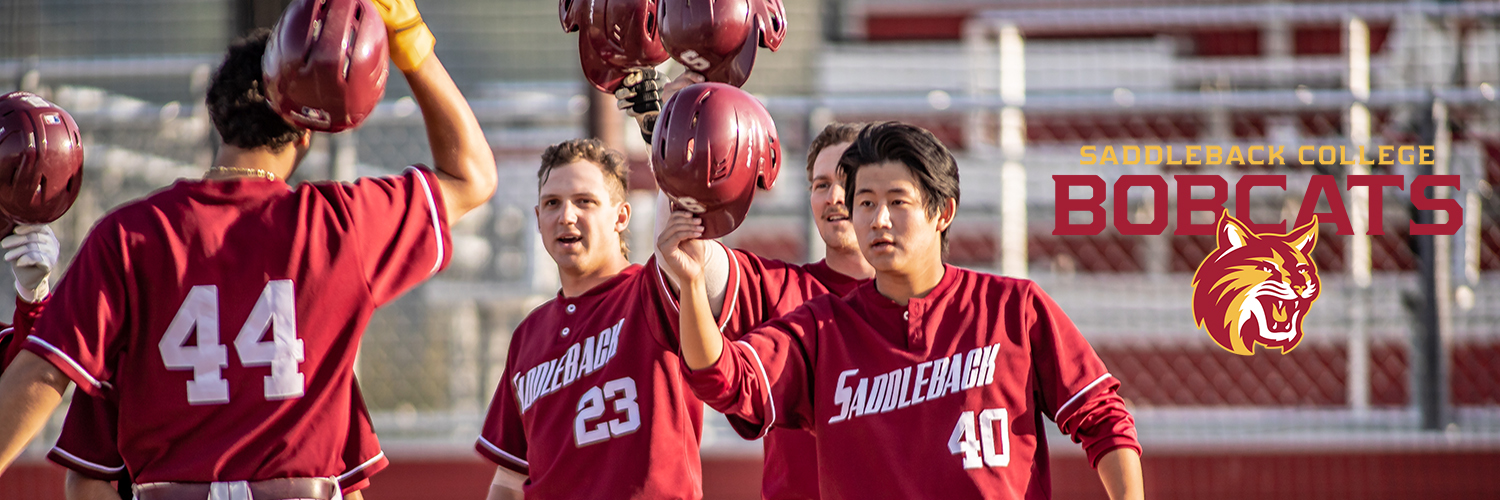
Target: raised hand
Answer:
pixel 32 251
pixel 410 40
pixel 679 251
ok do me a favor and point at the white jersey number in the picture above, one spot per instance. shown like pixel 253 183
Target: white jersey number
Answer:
pixel 691 58
pixel 964 440
pixel 199 313
pixel 591 407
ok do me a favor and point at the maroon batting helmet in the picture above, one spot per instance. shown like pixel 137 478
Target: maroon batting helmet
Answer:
pixel 714 143
pixel 719 39
pixel 614 36
pixel 326 64
pixel 41 159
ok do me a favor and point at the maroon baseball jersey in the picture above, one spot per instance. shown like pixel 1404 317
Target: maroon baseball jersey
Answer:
pixel 88 446
pixel 12 337
pixel 224 317
pixel 790 463
pixel 592 401
pixel 957 381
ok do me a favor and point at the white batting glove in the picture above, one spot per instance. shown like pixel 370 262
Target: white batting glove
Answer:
pixel 32 251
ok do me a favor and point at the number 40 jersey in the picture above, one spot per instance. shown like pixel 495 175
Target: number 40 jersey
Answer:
pixel 226 314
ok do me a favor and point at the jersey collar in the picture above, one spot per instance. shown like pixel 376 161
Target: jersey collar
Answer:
pixel 601 288
pixel 870 295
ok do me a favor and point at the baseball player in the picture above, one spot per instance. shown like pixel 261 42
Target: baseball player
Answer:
pixel 238 301
pixel 771 288
pixel 590 403
pixel 928 363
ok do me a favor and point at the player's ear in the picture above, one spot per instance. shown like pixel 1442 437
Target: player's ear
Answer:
pixel 946 213
pixel 622 218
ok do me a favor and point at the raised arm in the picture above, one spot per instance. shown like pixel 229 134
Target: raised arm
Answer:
pixel 682 256
pixel 460 153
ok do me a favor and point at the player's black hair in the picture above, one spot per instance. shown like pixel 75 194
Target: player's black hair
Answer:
pixel 236 103
pixel 922 153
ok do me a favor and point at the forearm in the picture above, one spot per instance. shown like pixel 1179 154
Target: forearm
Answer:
pixel 81 487
pixel 30 389
pixel 460 152
pixel 1120 470
pixel 506 485
pixel 701 341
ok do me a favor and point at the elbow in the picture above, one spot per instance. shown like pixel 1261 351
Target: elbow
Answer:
pixel 480 180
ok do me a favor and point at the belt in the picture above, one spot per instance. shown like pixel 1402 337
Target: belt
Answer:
pixel 295 488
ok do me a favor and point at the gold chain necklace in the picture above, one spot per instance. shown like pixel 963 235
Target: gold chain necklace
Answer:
pixel 227 172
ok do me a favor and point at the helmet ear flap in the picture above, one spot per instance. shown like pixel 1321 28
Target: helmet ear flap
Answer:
pixel 569 13
pixel 772 23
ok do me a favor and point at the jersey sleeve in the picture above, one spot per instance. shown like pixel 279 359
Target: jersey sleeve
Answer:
pixel 89 441
pixel 362 456
pixel 502 439
pixel 763 379
pixel 85 313
pixel 13 336
pixel 401 227
pixel 757 291
pixel 1075 389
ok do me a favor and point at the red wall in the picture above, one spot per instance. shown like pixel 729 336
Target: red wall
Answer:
pixel 1284 476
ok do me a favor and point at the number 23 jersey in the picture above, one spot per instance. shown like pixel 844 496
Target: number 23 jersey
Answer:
pixel 592 403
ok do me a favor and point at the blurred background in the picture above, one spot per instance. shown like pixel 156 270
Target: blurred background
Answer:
pixel 1394 392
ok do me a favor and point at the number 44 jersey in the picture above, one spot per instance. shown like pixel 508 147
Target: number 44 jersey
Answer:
pixel 226 315
pixel 592 403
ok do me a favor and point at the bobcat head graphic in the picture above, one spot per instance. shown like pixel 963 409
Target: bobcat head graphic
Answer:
pixel 1256 288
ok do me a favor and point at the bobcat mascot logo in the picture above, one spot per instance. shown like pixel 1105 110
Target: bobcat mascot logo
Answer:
pixel 1256 288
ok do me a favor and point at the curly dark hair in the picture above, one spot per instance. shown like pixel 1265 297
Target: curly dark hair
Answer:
pixel 593 151
pixel 236 104
pixel 611 162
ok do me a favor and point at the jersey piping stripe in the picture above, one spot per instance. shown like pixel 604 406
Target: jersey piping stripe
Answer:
pixel 496 449
pixel 77 367
pixel 1080 393
pixel 87 464
pixel 730 289
pixel 362 466
pixel 734 297
pixel 770 399
pixel 437 227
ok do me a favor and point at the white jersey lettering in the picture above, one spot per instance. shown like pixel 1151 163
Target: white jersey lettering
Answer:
pixel 580 360
pixel 899 388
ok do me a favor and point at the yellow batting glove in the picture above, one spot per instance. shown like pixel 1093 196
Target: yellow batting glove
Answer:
pixel 410 40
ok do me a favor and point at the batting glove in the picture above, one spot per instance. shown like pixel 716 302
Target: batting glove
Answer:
pixel 640 96
pixel 410 40
pixel 32 252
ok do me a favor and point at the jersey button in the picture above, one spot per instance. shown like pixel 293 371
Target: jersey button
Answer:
pixel 906 315
pixel 571 308
pixel 565 332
